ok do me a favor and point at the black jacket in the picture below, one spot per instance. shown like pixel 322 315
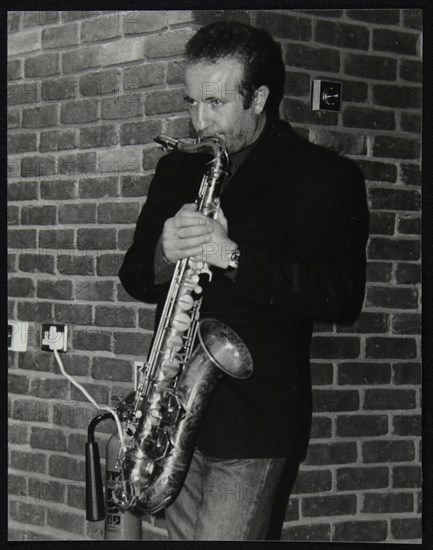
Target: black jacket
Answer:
pixel 300 217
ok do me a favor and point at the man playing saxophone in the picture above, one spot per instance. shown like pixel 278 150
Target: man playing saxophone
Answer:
pixel 286 249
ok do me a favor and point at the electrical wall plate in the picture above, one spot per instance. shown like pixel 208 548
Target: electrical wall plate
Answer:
pixel 17 335
pixel 326 95
pixel 51 334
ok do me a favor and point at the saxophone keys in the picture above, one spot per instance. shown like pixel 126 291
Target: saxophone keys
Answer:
pixel 130 430
pixel 154 418
pixel 198 289
pixel 170 368
pixel 175 342
pixel 181 322
pixel 164 385
pixel 186 302
pixel 155 409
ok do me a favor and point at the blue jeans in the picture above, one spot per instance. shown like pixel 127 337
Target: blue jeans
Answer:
pixel 225 499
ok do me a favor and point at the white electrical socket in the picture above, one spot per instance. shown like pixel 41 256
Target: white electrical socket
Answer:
pixel 17 335
pixel 54 336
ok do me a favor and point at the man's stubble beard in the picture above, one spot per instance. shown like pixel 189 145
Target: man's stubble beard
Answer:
pixel 245 136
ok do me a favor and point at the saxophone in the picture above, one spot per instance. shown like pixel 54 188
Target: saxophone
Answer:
pixel 178 378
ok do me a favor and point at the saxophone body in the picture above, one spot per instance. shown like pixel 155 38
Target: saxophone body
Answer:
pixel 179 377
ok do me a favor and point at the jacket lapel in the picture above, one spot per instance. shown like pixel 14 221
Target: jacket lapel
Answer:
pixel 258 171
pixel 251 176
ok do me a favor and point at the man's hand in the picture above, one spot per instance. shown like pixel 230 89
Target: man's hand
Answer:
pixel 190 233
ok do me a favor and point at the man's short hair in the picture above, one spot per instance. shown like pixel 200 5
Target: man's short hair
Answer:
pixel 258 52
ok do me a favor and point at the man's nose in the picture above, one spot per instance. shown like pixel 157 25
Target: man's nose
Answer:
pixel 202 119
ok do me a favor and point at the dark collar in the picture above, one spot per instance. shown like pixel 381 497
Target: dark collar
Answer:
pixel 272 146
pixel 239 157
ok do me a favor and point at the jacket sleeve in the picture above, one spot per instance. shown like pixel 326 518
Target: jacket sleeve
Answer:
pixel 137 271
pixel 321 271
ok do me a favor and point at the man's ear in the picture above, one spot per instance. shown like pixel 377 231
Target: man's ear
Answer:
pixel 260 98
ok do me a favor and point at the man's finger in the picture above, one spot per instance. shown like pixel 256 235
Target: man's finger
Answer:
pixel 196 252
pixel 189 207
pixel 221 217
pixel 191 214
pixel 184 244
pixel 193 231
pixel 190 220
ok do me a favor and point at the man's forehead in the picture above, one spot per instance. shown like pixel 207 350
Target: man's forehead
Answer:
pixel 227 69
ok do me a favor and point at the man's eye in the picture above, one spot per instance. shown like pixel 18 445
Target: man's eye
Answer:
pixel 217 102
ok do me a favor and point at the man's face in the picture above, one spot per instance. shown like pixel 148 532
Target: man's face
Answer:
pixel 216 106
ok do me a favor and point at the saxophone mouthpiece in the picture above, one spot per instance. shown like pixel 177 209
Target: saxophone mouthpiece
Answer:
pixel 166 142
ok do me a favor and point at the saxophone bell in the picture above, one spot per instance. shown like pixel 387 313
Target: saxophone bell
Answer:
pixel 225 348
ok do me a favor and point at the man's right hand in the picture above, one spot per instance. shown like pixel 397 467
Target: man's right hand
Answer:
pixel 185 233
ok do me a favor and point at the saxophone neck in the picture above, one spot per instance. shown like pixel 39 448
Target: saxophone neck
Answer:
pixel 215 145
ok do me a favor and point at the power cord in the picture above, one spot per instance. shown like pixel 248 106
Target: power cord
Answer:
pixel 57 343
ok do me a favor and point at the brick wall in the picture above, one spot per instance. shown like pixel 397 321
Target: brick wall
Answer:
pixel 88 91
